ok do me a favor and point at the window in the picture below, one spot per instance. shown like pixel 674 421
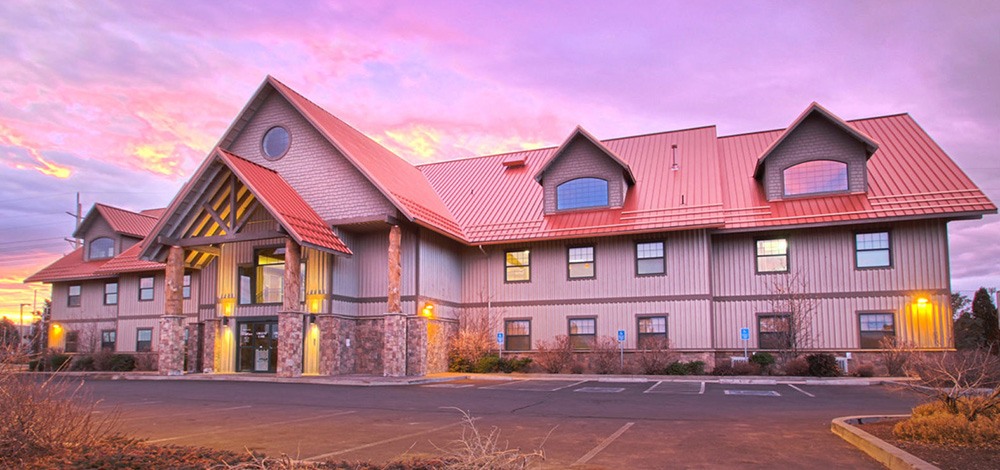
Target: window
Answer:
pixel 581 262
pixel 871 250
pixel 773 332
pixel 102 248
pixel 111 293
pixel 73 296
pixel 264 282
pixel 874 328
pixel 652 332
pixel 581 193
pixel 72 341
pixel 582 333
pixel 186 287
pixel 275 143
pixel 144 340
pixel 146 288
pixel 819 176
pixel 649 258
pixel 108 338
pixel 517 335
pixel 772 255
pixel 518 266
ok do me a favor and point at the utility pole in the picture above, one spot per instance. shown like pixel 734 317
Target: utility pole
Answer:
pixel 79 219
pixel 20 340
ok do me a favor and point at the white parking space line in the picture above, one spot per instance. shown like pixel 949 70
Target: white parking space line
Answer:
pixel 198 412
pixel 384 441
pixel 650 389
pixel 503 385
pixel 569 386
pixel 803 391
pixel 270 424
pixel 702 391
pixel 596 450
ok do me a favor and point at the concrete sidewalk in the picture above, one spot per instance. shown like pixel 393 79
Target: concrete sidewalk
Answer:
pixel 370 380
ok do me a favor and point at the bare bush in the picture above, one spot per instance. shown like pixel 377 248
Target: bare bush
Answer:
pixel 949 376
pixel 555 356
pixel 606 357
pixel 894 355
pixel 795 314
pixel 476 450
pixel 654 356
pixel 475 338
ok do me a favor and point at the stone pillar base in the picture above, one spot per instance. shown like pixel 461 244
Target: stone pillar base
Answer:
pixel 394 345
pixel 209 358
pixel 171 345
pixel 290 344
pixel 416 347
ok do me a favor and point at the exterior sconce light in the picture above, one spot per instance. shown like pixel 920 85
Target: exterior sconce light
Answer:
pixel 314 302
pixel 428 310
pixel 922 301
pixel 228 305
pixel 225 321
pixel 312 318
pixel 56 327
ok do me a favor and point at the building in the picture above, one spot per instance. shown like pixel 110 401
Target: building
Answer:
pixel 302 246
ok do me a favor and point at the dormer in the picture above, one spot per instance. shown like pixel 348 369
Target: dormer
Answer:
pixel 107 231
pixel 818 155
pixel 583 174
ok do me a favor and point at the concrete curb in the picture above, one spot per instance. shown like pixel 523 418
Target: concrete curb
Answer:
pixel 886 454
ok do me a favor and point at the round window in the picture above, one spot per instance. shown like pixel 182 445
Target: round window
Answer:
pixel 275 143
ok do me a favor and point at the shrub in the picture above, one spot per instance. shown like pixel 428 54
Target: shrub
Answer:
pixel 895 355
pixel 797 367
pixel 145 361
pixel 823 365
pixel 865 370
pixel 457 363
pixel 685 368
pixel 83 363
pixel 121 362
pixel 934 423
pixel 58 361
pixel 740 368
pixel 555 356
pixel 606 358
pixel 764 360
pixel 654 357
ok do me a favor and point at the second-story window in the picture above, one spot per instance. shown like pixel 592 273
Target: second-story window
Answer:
pixel 582 193
pixel 871 250
pixel 73 296
pixel 146 288
pixel 649 258
pixel 517 265
pixel 772 255
pixel 111 293
pixel 186 287
pixel 581 262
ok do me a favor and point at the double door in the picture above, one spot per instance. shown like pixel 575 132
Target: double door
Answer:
pixel 258 346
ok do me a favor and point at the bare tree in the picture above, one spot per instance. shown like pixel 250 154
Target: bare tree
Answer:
pixel 951 375
pixel 793 324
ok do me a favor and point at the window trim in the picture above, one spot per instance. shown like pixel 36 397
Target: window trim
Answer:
pixel 635 254
pixel 506 337
pixel 70 296
pixel 90 248
pixel 263 147
pixel 505 266
pixel 861 313
pixel 115 293
pixel 854 240
pixel 607 195
pixel 775 315
pixel 113 343
pixel 75 336
pixel 847 190
pixel 570 335
pixel 757 255
pixel 638 330
pixel 253 277
pixel 593 261
pixel 186 284
pixel 137 330
pixel 152 289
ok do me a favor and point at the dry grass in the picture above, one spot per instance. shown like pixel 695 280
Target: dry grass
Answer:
pixel 477 450
pixel 935 423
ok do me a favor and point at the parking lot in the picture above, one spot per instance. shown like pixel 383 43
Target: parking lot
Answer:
pixel 576 423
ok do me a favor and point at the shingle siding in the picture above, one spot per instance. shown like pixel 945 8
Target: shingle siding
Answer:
pixel 816 139
pixel 580 159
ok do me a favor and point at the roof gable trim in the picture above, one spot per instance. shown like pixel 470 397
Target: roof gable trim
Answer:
pixel 580 132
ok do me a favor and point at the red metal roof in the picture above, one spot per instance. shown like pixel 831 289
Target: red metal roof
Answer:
pixel 69 268
pixel 129 262
pixel 399 181
pixel 294 214
pixel 124 222
pixel 582 133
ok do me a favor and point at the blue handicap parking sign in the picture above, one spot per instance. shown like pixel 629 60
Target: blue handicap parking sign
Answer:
pixel 499 338
pixel 621 335
pixel 745 334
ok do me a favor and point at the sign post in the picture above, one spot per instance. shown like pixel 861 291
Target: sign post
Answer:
pixel 621 348
pixel 500 344
pixel 745 337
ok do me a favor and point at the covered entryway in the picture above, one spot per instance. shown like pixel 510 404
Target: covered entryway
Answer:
pixel 258 346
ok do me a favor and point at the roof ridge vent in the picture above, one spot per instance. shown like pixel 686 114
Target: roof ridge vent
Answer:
pixel 514 160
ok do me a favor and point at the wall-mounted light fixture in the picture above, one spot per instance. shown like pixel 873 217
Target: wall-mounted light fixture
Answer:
pixel 227 305
pixel 314 302
pixel 312 318
pixel 427 310
pixel 225 321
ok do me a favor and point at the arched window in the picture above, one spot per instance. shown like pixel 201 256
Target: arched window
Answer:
pixel 582 192
pixel 818 176
pixel 102 248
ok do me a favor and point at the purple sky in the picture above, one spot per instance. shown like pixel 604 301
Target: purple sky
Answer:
pixel 120 101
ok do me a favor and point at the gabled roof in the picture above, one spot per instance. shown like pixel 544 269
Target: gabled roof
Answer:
pixel 71 267
pixel 287 207
pixel 128 261
pixel 399 181
pixel 123 222
pixel 580 132
pixel 815 108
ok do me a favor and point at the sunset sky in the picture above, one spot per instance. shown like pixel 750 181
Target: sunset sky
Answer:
pixel 120 101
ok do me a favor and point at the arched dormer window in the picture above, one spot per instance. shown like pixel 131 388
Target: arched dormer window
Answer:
pixel 581 193
pixel 815 177
pixel 102 248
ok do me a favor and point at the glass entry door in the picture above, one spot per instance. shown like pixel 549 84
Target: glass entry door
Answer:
pixel 258 346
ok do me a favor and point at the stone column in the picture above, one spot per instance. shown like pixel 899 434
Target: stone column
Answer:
pixel 171 343
pixel 209 358
pixel 191 348
pixel 416 348
pixel 290 318
pixel 329 345
pixel 394 331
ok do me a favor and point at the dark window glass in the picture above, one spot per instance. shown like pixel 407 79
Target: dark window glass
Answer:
pixel 582 192
pixel 649 258
pixel 144 339
pixel 102 248
pixel 517 335
pixel 872 250
pixel 517 266
pixel 72 341
pixel 772 255
pixel 819 176
pixel 581 262
pixel 582 333
pixel 111 293
pixel 652 332
pixel 108 339
pixel 73 296
pixel 276 142
pixel 186 288
pixel 773 332
pixel 146 288
pixel 874 328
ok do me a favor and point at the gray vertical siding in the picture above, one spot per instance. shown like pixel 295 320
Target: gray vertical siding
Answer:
pixel 440 272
